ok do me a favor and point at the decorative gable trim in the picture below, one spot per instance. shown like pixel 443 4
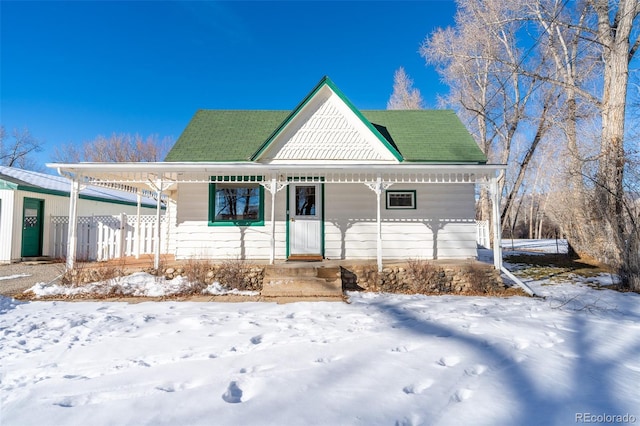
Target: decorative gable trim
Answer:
pixel 325 82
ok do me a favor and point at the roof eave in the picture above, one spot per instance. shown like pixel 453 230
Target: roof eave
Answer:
pixel 231 166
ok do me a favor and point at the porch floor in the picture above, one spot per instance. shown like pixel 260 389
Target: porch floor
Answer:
pixel 166 260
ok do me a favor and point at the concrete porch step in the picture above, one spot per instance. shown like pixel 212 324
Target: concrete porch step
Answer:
pixel 301 281
pixel 36 260
pixel 291 271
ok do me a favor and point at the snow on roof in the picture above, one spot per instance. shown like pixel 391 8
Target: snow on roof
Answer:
pixel 62 184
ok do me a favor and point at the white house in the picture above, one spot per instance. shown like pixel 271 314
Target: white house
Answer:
pixel 323 181
pixel 28 201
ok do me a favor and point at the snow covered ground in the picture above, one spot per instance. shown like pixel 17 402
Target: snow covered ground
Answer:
pixel 137 284
pixel 380 360
pixel 540 246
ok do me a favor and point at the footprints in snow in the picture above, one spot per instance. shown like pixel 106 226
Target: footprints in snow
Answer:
pixel 255 340
pixel 459 395
pixel 553 340
pixel 418 388
pixel 475 370
pixel 134 390
pixel 449 361
pixel 326 360
pixel 233 394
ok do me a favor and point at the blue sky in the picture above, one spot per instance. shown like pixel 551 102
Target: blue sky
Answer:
pixel 71 71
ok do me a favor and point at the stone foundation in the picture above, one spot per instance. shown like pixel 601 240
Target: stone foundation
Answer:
pixel 424 277
pixel 233 275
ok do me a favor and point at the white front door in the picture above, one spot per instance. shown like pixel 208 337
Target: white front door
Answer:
pixel 305 219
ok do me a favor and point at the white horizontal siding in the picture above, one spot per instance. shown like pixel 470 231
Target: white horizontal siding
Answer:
pixel 442 226
pixel 7 228
pixel 194 238
pixel 169 240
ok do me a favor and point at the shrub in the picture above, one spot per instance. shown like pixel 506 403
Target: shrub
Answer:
pixel 199 273
pixel 425 277
pixel 477 278
pixel 231 273
pixel 83 273
pixel 234 273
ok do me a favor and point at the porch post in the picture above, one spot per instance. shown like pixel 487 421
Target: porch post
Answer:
pixel 378 186
pixel 273 190
pixel 378 223
pixel 156 259
pixel 495 221
pixel 137 242
pixel 72 233
pixel 273 187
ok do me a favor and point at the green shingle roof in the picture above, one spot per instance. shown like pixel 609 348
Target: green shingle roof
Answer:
pixel 236 135
pixel 427 135
pixel 222 135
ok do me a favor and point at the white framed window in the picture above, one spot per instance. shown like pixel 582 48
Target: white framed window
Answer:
pixel 236 201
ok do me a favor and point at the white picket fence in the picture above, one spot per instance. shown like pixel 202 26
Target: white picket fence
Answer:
pixel 482 234
pixel 108 237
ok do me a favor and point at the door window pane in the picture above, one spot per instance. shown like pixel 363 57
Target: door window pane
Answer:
pixel 305 200
pixel 30 217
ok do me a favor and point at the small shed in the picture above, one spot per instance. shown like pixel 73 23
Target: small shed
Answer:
pixel 28 201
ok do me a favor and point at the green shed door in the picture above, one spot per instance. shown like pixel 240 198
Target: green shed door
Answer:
pixel 32 227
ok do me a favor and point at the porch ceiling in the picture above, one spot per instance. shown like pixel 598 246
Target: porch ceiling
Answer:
pixel 147 176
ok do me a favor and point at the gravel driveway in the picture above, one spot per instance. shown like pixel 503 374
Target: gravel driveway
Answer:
pixel 26 275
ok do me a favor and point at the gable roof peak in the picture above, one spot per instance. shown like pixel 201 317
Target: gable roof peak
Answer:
pixel 325 81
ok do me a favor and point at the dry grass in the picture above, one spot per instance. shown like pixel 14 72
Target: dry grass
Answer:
pixel 553 266
pixel 84 273
pixel 199 273
pixel 477 279
pixel 427 277
pixel 233 273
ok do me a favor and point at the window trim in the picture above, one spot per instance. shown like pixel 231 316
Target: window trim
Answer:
pixel 388 205
pixel 239 180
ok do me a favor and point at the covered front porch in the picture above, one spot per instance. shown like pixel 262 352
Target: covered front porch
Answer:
pixel 333 188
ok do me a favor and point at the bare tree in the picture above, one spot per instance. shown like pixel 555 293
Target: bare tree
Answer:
pixel 18 151
pixel 572 72
pixel 404 95
pixel 117 148
pixel 575 63
pixel 605 226
pixel 615 32
pixel 464 65
pixel 479 58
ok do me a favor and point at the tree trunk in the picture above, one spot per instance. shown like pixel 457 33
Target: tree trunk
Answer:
pixel 609 192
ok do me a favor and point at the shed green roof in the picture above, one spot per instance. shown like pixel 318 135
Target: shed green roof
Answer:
pixel 236 135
